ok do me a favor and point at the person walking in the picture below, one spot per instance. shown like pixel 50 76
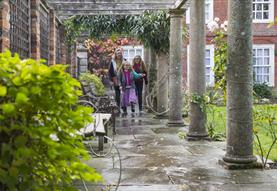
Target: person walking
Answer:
pixel 127 77
pixel 114 67
pixel 140 67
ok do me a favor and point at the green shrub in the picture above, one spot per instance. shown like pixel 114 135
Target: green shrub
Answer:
pixel 265 131
pixel 262 90
pixel 92 78
pixel 274 93
pixel 35 106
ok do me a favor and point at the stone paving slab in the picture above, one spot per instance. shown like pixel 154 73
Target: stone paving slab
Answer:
pixel 154 158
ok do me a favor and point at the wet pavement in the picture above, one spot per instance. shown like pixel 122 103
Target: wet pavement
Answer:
pixel 154 158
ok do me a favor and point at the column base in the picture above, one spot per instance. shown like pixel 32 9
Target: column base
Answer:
pixel 177 123
pixel 161 117
pixel 239 160
pixel 236 166
pixel 198 137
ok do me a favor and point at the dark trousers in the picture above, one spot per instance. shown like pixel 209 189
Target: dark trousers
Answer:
pixel 117 95
pixel 139 88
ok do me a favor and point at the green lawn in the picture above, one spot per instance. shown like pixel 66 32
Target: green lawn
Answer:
pixel 217 117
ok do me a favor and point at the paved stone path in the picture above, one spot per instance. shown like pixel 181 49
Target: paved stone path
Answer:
pixel 154 158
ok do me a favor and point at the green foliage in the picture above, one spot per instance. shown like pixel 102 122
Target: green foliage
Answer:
pixel 260 126
pixel 98 26
pixel 207 103
pixel 220 62
pixel 265 119
pixel 201 100
pixel 92 78
pixel 40 148
pixel 74 27
pixel 182 135
pixel 262 90
pixel 272 23
pixel 152 28
pixel 212 116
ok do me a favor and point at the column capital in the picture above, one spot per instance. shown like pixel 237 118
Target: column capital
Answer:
pixel 176 12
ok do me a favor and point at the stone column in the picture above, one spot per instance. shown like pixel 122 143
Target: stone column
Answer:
pixel 4 25
pixel 196 79
pixel 52 45
pixel 152 78
pixel 239 84
pixel 175 69
pixel 162 84
pixel 147 60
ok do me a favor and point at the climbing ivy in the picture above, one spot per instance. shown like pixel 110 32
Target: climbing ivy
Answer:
pixel 151 28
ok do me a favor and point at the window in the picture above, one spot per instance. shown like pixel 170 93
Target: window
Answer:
pixel 263 64
pixel 263 11
pixel 131 51
pixel 209 63
pixel 209 12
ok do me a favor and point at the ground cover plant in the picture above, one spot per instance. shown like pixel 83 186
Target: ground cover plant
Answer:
pixel 265 126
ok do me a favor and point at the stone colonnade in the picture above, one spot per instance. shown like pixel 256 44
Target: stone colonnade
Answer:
pixel 239 78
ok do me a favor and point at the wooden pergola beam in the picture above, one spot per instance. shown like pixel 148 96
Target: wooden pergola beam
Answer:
pixel 67 8
pixel 179 4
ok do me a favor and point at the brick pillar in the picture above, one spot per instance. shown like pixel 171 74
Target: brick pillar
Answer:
pixel 35 29
pixel 68 58
pixel 4 25
pixel 52 46
pixel 74 64
pixel 63 46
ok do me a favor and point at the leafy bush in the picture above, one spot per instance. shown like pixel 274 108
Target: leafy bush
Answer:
pixel 262 90
pixel 39 145
pixel 92 78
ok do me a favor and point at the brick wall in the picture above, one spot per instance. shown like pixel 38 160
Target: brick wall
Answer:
pixel 261 34
pixel 35 39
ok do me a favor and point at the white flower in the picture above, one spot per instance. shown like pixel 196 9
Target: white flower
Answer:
pixel 225 23
pixel 212 26
pixel 216 19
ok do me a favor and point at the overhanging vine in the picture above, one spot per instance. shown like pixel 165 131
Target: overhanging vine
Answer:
pixel 151 28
